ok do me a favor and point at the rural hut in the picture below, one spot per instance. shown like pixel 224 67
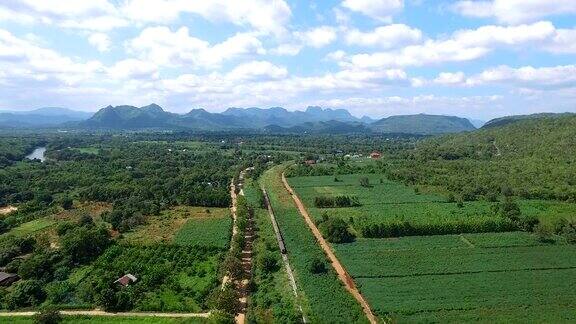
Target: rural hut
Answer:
pixel 126 280
pixel 375 155
pixel 6 279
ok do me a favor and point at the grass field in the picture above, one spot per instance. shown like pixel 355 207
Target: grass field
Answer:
pixel 185 225
pixel 206 229
pixel 109 319
pixel 454 278
pixel 386 202
pixel 32 227
pixel 324 298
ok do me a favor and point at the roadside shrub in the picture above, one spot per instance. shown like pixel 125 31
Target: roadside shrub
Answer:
pixel 48 316
pixel 336 230
pixel 317 266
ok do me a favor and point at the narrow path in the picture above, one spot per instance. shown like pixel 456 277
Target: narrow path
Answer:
pixel 103 313
pixel 283 251
pixel 342 274
pixel 234 197
pixel 243 282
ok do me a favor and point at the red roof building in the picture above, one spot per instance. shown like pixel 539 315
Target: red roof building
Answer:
pixel 125 280
pixel 375 155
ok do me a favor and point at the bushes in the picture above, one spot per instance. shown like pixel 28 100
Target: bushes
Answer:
pixel 336 201
pixel 317 266
pixel 407 228
pixel 335 230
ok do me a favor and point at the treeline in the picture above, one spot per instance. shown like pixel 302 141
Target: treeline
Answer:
pixel 336 201
pixel 482 164
pixel 507 217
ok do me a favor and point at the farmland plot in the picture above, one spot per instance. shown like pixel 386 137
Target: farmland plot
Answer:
pixel 500 276
pixel 391 204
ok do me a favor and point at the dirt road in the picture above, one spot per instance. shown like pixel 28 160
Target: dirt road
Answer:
pixel 342 274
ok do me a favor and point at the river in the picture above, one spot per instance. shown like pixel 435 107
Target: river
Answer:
pixel 38 153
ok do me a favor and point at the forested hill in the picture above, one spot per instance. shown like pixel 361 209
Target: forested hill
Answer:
pixel 502 121
pixel 535 158
pixel 422 124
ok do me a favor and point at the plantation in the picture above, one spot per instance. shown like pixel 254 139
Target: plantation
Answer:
pixel 210 230
pixel 453 277
pixel 324 298
pixel 391 209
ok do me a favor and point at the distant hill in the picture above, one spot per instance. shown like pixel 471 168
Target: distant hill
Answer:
pixel 50 116
pixel 313 119
pixel 259 117
pixel 323 127
pixel 502 121
pixel 130 117
pixel 422 124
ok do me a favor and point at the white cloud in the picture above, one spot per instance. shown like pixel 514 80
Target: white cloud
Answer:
pixel 515 11
pixel 385 36
pixel 378 9
pixel 448 78
pixel 528 77
pixel 464 45
pixel 318 37
pixel 133 69
pixel 164 47
pixel 287 49
pixel 100 41
pixel 564 42
pixel 269 16
pixel 98 15
pixel 258 71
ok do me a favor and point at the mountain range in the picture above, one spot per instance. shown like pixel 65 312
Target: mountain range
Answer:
pixel 272 120
pixel 50 116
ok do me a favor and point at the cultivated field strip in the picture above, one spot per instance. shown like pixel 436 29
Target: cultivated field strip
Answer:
pixel 440 278
pixel 325 300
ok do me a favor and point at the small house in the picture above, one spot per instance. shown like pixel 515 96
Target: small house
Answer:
pixel 126 280
pixel 375 155
pixel 310 162
pixel 6 279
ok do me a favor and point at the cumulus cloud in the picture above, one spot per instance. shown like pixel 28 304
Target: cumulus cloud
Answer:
pixel 318 37
pixel 515 11
pixel 463 45
pixel 562 76
pixel 133 69
pixel 100 15
pixel 258 71
pixel 270 16
pixel 388 36
pixel 164 47
pixel 378 9
pixel 100 41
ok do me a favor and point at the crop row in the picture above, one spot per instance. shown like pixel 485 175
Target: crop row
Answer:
pixel 327 300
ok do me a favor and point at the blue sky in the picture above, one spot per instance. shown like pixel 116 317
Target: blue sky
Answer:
pixel 479 59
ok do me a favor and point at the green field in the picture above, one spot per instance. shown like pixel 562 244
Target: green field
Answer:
pixel 388 202
pixel 213 229
pixel 184 225
pixel 448 278
pixel 32 227
pixel 324 298
pixel 109 319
